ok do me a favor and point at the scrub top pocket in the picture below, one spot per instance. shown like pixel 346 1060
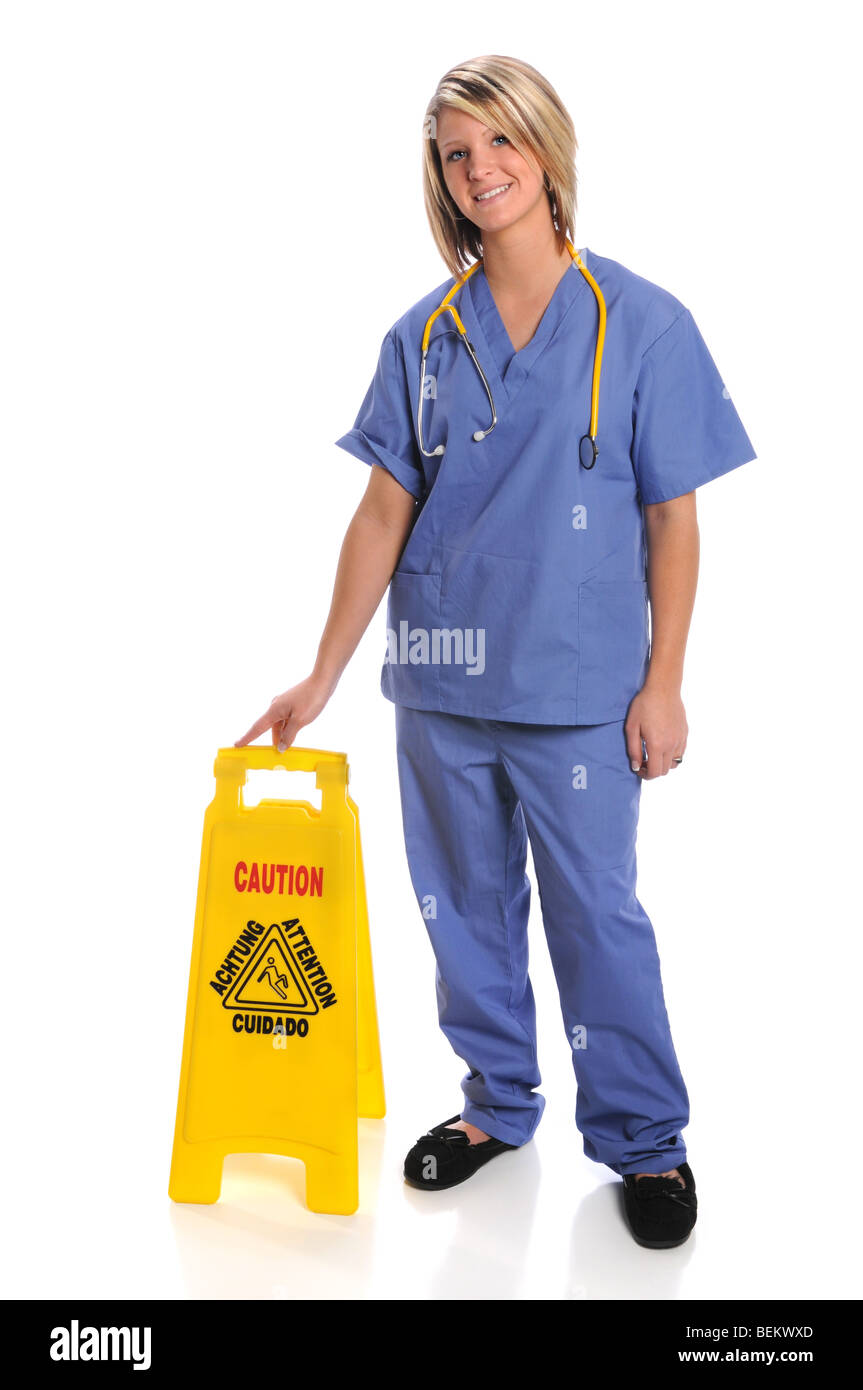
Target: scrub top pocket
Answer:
pixel 613 645
pixel 410 674
pixel 519 618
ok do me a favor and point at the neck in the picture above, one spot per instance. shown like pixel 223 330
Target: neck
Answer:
pixel 523 259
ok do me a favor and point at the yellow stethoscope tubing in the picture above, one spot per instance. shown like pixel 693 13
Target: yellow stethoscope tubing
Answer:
pixel 600 345
pixel 446 307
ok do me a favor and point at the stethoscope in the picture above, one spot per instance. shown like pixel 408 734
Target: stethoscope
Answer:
pixel 587 449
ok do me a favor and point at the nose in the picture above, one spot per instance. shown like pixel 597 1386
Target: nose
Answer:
pixel 478 168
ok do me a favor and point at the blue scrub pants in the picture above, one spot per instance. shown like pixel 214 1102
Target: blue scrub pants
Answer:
pixel 472 792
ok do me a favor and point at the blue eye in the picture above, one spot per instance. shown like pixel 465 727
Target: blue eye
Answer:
pixel 453 153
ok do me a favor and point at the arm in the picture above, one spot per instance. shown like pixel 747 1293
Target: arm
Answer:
pixel 370 551
pixel 656 714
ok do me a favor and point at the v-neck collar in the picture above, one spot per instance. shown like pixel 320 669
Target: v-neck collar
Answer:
pixel 511 368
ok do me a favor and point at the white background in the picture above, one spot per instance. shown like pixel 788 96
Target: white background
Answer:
pixel 213 213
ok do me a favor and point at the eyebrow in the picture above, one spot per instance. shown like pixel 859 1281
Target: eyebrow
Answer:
pixel 447 143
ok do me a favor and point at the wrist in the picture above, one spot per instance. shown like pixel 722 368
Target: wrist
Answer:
pixel 325 677
pixel 663 682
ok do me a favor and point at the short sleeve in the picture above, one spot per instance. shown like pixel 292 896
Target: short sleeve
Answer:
pixel 383 431
pixel 686 430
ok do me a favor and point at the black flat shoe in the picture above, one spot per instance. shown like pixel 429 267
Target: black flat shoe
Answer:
pixel 443 1157
pixel 660 1212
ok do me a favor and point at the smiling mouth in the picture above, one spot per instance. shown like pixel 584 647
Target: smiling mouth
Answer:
pixel 493 193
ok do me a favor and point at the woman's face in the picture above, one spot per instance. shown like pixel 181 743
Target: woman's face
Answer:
pixel 477 160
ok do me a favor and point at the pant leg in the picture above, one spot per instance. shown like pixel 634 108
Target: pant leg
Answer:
pixel 581 802
pixel 466 846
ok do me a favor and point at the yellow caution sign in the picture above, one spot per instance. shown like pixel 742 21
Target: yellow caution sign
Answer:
pixel 281 1052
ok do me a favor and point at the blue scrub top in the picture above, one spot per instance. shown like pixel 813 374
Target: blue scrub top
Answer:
pixel 521 592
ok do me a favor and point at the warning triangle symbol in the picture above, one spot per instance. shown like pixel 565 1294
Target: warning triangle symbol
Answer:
pixel 272 980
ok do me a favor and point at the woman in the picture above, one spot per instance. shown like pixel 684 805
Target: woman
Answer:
pixel 531 506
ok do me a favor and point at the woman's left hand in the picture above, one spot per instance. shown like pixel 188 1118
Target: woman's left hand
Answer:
pixel 657 716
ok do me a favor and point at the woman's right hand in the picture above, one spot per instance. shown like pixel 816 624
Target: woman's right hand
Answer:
pixel 289 712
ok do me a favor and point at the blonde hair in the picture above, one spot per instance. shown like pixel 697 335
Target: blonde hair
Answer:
pixel 512 99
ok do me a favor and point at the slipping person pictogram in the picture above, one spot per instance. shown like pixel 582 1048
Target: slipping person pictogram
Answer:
pixel 275 980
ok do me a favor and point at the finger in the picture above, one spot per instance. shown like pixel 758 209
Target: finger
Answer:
pixel 287 734
pixel 655 765
pixel 633 747
pixel 284 732
pixel 680 750
pixel 259 726
pixel 642 757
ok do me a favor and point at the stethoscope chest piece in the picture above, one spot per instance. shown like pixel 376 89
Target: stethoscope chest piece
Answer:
pixel 587 451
